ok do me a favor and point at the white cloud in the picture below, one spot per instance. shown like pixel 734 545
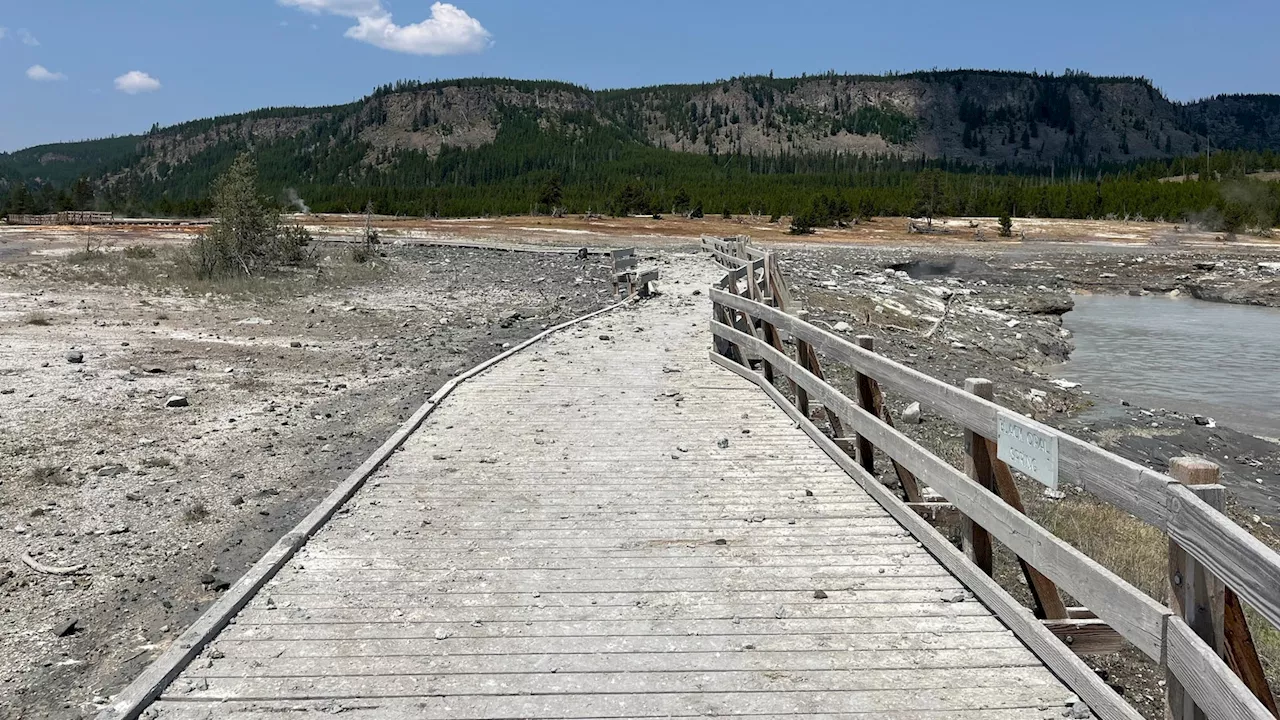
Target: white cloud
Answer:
pixel 449 30
pixel 27 38
pixel 41 74
pixel 4 32
pixel 135 81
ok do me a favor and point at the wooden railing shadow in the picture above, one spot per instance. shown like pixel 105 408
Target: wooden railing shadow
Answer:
pixel 1200 638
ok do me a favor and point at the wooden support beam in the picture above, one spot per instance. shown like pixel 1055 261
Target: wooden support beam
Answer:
pixel 1194 594
pixel 1044 592
pixel 977 465
pixel 910 486
pixel 815 367
pixel 938 513
pixel 1086 637
pixel 865 453
pixel 802 395
pixel 1242 654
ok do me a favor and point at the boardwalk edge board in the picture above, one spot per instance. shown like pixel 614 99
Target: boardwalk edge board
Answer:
pixel 1060 660
pixel 148 686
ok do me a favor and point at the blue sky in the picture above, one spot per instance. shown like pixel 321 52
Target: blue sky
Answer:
pixel 74 69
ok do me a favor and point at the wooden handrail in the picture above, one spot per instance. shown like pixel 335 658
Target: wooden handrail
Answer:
pixel 1133 613
pixel 1241 560
pixel 1243 563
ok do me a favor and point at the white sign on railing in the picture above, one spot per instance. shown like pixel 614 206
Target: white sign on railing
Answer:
pixel 1028 448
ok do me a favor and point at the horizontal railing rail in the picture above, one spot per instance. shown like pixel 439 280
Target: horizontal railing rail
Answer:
pixel 751 313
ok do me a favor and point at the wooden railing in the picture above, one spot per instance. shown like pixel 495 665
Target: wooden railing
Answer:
pixel 1200 639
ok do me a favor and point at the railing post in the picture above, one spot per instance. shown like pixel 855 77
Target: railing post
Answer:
pixel 802 395
pixel 977 464
pixel 1194 593
pixel 866 451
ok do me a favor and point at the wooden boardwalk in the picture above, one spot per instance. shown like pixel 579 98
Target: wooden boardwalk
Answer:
pixel 614 528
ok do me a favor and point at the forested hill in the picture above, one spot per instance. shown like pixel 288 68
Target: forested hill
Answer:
pixel 498 134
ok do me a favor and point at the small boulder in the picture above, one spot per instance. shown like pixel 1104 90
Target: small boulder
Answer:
pixel 842 327
pixel 176 401
pixel 66 627
pixel 911 415
pixel 75 357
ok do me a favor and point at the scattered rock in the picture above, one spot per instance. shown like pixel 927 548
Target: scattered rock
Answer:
pixel 842 326
pixel 176 401
pixel 1201 420
pixel 723 443
pixel 110 470
pixel 819 595
pixel 912 414
pixel 1078 711
pixel 65 628
pixel 75 358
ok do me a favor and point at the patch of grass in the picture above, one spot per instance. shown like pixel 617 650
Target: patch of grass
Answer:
pixel 36 317
pixel 49 475
pixel 1130 548
pixel 363 253
pixel 139 252
pixel 195 512
pixel 87 256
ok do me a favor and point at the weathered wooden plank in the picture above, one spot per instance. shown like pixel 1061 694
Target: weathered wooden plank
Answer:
pixel 660 585
pixel 1031 684
pixel 1069 668
pixel 1131 612
pixel 408 562
pixel 976 643
pixel 749 600
pixel 499 577
pixel 538 611
pixel 1207 679
pixel 1086 637
pixel 938 705
pixel 645 627
pixel 741 660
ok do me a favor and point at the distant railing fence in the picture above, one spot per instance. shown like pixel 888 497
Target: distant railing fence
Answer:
pixel 1201 637
pixel 67 217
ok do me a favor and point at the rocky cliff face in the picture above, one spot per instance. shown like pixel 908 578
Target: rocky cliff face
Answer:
pixel 979 117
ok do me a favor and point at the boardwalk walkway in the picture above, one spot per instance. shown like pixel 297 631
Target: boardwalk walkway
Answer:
pixel 614 528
